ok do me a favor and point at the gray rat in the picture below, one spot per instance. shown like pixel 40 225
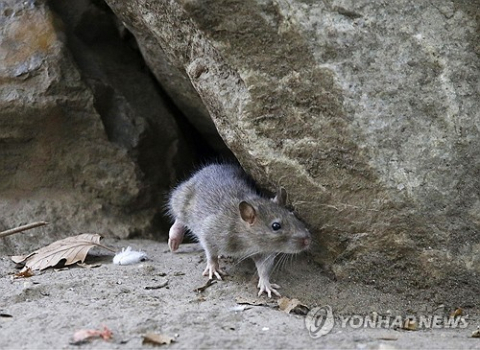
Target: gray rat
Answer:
pixel 227 215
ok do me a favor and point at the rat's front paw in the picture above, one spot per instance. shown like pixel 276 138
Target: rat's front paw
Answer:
pixel 213 268
pixel 268 288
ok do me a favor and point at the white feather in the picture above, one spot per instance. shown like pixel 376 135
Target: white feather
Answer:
pixel 129 256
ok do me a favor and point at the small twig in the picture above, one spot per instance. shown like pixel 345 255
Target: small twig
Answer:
pixel 208 284
pixel 161 285
pixel 22 228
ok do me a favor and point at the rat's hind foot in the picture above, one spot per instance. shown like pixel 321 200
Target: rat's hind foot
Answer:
pixel 265 286
pixel 213 268
pixel 175 235
pixel 173 244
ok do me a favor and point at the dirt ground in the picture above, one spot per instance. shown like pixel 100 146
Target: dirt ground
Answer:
pixel 44 311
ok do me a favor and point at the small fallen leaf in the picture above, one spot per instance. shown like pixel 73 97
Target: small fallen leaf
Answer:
pixel 476 333
pixel 24 273
pixel 292 305
pixel 71 249
pixel 84 335
pixel 199 299
pixel 209 283
pixel 106 333
pixel 409 325
pixel 457 312
pixel 19 259
pixel 157 339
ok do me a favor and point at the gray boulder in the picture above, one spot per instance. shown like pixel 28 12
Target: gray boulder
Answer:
pixel 86 140
pixel 366 112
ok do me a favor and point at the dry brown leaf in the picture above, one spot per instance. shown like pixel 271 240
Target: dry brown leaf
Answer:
pixel 457 312
pixel 19 259
pixel 83 335
pixel 409 325
pixel 25 273
pixel 157 339
pixel 292 305
pixel 71 249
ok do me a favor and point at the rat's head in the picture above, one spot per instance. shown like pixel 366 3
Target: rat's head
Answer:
pixel 273 228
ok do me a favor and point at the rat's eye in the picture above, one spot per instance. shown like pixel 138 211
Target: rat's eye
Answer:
pixel 276 226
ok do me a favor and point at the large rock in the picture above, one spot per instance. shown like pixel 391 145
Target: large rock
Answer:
pixel 86 157
pixel 366 112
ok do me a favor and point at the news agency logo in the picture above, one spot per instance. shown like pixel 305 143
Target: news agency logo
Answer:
pixel 320 321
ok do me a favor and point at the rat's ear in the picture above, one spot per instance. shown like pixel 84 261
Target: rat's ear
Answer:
pixel 247 211
pixel 281 197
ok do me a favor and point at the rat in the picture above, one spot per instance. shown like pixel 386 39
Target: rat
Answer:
pixel 220 206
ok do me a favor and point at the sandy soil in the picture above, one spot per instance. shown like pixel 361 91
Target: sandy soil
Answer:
pixel 44 311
